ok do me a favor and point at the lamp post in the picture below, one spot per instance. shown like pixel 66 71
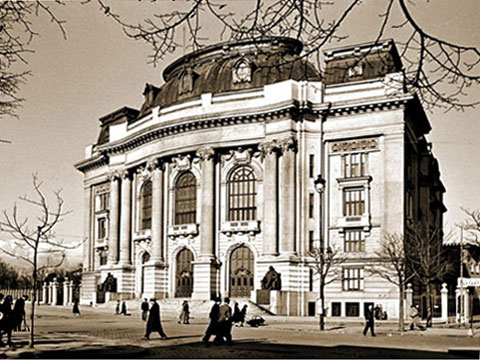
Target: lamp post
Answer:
pixel 320 188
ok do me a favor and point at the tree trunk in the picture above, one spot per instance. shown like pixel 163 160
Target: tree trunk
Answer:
pixel 401 302
pixel 34 300
pixel 429 305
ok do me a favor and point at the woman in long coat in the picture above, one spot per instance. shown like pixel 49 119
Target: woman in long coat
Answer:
pixel 153 322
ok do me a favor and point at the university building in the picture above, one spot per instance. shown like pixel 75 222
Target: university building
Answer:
pixel 212 180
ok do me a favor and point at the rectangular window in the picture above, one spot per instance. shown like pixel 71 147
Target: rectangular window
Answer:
pixel 352 279
pixel 354 165
pixel 352 308
pixel 310 279
pixel 311 204
pixel 336 309
pixel 310 240
pixel 103 256
pixel 354 240
pixel 311 167
pixel 102 228
pixel 102 202
pixel 353 202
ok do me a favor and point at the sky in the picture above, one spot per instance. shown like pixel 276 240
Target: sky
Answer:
pixel 97 70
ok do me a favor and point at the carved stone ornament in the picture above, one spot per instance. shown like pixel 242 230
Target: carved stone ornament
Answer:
pixel 286 144
pixel 205 153
pixel 187 78
pixel 354 145
pixel 114 175
pixel 126 174
pixel 102 188
pixel 242 71
pixel 267 147
pixel 182 162
pixel 239 156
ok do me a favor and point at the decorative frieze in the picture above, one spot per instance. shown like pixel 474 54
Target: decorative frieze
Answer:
pixel 182 162
pixel 354 145
pixel 241 227
pixel 239 156
pixel 205 153
pixel 184 230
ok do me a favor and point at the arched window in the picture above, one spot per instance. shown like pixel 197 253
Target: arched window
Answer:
pixel 186 199
pixel 146 206
pixel 242 194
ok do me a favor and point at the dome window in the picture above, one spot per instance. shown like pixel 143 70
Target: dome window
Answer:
pixel 242 72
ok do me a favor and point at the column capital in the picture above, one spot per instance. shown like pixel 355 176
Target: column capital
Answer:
pixel 267 147
pixel 114 175
pixel 126 174
pixel 154 164
pixel 205 153
pixel 287 144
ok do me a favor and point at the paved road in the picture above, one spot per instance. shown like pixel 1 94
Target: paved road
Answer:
pixel 99 334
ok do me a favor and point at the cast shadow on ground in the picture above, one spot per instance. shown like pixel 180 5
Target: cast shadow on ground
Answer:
pixel 244 349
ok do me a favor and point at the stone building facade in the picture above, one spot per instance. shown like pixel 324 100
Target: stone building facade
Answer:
pixel 212 180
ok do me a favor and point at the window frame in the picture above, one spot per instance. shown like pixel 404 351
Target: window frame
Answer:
pixel 145 221
pixel 185 207
pixel 354 245
pixel 242 194
pixel 350 205
pixel 353 278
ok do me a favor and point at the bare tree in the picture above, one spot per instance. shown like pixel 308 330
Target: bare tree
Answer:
pixel 324 264
pixel 36 244
pixel 472 226
pixel 16 35
pixel 392 266
pixel 440 71
pixel 427 259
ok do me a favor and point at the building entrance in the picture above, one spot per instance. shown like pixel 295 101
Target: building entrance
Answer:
pixel 184 274
pixel 241 272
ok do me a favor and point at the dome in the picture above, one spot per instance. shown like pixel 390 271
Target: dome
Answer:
pixel 231 66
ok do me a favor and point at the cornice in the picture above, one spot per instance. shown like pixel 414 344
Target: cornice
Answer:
pixel 91 163
pixel 370 105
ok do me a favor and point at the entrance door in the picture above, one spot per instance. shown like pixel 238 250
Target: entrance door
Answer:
pixel 184 274
pixel 241 272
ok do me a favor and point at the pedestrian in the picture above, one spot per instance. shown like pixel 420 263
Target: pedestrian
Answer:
pixel 224 323
pixel 236 313
pixel 117 308
pixel 7 321
pixel 76 309
pixel 153 322
pixel 19 312
pixel 415 318
pixel 212 328
pixel 184 317
pixel 144 308
pixel 369 321
pixel 124 308
pixel 243 315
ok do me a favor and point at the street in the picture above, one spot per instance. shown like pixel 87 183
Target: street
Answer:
pixel 97 333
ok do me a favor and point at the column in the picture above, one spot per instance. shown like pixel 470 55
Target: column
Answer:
pixel 287 197
pixel 270 202
pixel 113 220
pixel 204 267
pixel 50 293
pixel 207 233
pixel 87 245
pixel 157 212
pixel 125 218
pixel 54 292
pixel 155 272
pixel 44 294
pixel 408 300
pixel 444 297
pixel 65 292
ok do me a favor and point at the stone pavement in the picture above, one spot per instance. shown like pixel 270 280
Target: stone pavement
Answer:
pixel 99 334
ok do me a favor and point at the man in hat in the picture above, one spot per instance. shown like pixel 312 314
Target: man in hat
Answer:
pixel 212 327
pixel 153 322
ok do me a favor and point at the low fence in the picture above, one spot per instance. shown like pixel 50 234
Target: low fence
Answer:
pixel 17 293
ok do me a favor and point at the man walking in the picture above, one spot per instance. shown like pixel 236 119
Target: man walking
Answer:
pixel 144 308
pixel 213 326
pixel 415 318
pixel 224 323
pixel 369 321
pixel 153 322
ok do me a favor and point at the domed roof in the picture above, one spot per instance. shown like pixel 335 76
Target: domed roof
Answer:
pixel 231 66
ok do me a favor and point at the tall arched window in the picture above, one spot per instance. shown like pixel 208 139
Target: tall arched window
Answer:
pixel 242 194
pixel 146 206
pixel 186 199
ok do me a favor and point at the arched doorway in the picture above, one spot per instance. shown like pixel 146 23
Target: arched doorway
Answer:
pixel 184 274
pixel 241 272
pixel 145 259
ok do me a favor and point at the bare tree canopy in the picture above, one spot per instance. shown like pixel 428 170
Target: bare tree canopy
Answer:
pixel 440 71
pixel 472 227
pixel 16 35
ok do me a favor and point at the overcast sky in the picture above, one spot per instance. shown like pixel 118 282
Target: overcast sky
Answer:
pixel 98 70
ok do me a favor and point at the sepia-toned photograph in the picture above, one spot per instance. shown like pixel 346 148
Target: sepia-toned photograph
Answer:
pixel 239 179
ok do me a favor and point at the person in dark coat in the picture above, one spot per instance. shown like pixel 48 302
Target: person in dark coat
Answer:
pixel 76 309
pixel 212 327
pixel 117 308
pixel 7 321
pixel 19 312
pixel 236 313
pixel 144 308
pixel 243 314
pixel 184 317
pixel 224 323
pixel 153 322
pixel 369 321
pixel 124 308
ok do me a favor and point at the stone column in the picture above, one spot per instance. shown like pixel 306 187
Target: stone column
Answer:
pixel 157 211
pixel 65 292
pixel 44 294
pixel 113 220
pixel 444 297
pixel 204 267
pixel 54 292
pixel 49 294
pixel 408 300
pixel 70 292
pixel 156 279
pixel 287 197
pixel 270 202
pixel 125 219
pixel 87 245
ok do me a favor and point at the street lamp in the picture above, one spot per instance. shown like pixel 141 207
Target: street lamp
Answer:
pixel 320 188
